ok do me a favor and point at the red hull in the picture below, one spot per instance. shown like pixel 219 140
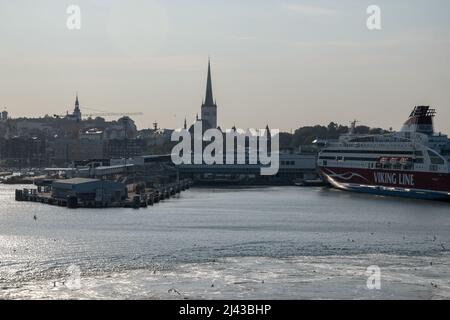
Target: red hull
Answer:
pixel 435 182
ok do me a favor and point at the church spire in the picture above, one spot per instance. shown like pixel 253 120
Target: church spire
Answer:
pixel 76 114
pixel 209 101
pixel 77 104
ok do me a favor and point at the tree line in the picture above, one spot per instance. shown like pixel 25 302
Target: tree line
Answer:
pixel 306 135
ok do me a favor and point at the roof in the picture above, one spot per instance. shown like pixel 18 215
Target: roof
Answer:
pixel 114 167
pixel 77 181
pixel 60 169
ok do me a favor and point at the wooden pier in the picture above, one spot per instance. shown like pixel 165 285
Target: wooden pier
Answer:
pixel 143 199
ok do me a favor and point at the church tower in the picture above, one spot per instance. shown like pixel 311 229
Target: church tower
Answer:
pixel 209 107
pixel 76 112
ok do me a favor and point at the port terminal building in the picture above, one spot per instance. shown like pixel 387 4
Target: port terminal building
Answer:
pixel 89 190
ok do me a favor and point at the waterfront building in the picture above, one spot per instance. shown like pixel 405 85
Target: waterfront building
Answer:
pixel 158 137
pixel 91 145
pixel 19 151
pixel 296 163
pixel 86 190
pixel 123 148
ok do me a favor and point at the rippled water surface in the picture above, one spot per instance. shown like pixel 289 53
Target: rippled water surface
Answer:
pixel 274 242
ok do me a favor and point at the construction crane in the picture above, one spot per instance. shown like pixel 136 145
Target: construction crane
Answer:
pixel 112 114
pixel 102 113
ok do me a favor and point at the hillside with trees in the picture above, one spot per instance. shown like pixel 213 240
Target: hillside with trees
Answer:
pixel 306 135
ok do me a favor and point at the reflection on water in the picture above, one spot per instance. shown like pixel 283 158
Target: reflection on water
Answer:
pixel 274 242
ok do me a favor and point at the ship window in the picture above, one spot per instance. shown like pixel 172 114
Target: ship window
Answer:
pixel 393 152
pixel 363 139
pixel 360 159
pixel 418 160
pixel 435 158
pixel 418 153
pixel 436 161
pixel 325 162
pixel 340 158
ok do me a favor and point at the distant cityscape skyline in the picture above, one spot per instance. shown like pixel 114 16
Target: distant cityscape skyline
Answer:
pixel 283 63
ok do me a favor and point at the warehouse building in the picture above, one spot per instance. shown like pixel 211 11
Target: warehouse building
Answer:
pixel 88 191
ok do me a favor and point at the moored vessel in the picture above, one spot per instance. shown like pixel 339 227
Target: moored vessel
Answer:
pixel 413 162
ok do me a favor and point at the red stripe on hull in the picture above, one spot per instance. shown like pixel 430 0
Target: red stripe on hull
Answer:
pixel 389 178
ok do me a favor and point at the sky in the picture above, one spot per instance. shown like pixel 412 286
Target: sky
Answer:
pixel 286 63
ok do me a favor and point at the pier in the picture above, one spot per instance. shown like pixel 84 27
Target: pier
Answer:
pixel 99 198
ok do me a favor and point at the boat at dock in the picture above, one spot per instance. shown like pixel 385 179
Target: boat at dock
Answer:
pixel 413 162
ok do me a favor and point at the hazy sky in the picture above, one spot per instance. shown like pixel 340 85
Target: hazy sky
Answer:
pixel 286 63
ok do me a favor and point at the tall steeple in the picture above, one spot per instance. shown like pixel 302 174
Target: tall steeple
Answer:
pixel 209 107
pixel 77 103
pixel 77 112
pixel 209 101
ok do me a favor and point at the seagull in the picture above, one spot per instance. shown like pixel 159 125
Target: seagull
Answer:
pixel 174 290
pixel 35 217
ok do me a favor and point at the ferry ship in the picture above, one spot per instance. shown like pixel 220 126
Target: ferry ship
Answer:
pixel 413 162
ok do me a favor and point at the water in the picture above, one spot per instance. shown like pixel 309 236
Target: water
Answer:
pixel 249 243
